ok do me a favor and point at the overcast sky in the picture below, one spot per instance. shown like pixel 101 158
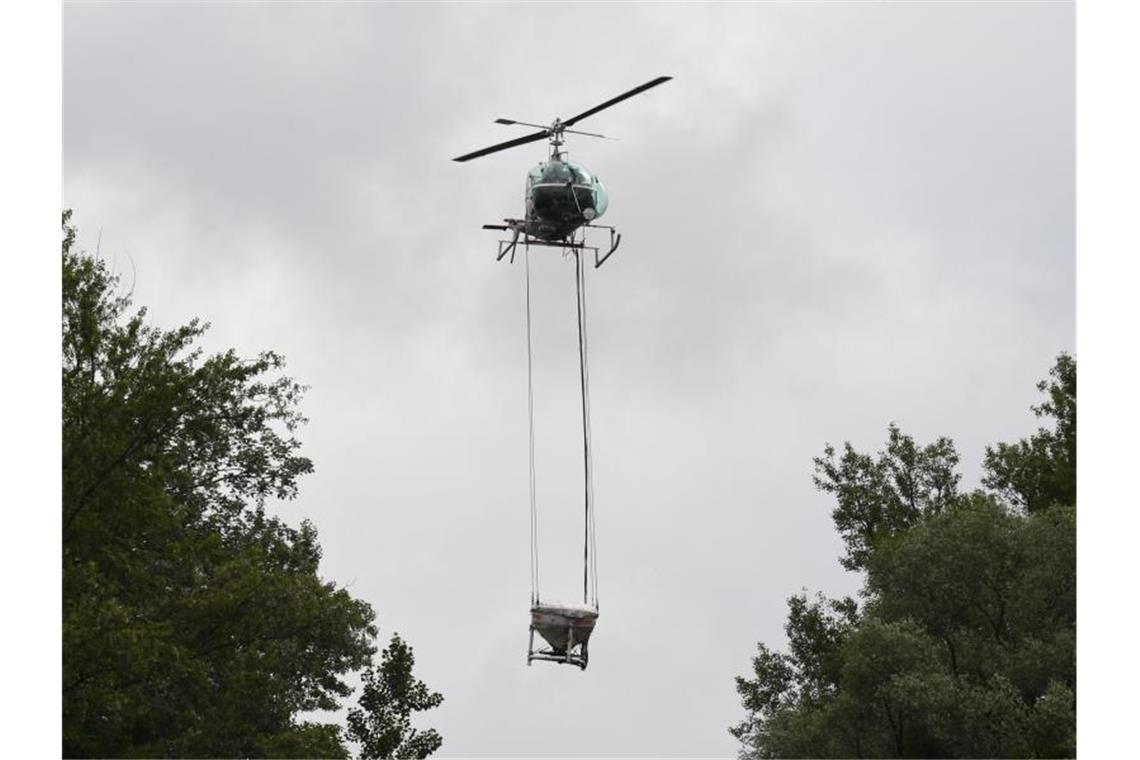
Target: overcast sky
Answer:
pixel 834 217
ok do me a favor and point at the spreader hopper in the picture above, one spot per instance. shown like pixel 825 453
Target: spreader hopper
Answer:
pixel 566 628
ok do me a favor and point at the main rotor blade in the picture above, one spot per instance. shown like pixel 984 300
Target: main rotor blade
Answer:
pixel 504 145
pixel 521 123
pixel 614 101
pixel 589 134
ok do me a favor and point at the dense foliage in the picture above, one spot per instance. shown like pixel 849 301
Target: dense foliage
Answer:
pixel 965 642
pixel 194 623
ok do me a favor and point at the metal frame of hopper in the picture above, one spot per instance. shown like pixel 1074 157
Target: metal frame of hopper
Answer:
pixel 577 652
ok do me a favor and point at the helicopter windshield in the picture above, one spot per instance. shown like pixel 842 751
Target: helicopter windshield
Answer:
pixel 553 200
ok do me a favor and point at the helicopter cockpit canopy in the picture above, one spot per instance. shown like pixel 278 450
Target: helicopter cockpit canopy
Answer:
pixel 561 190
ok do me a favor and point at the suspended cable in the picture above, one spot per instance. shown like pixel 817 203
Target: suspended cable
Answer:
pixel 587 465
pixel 593 509
pixel 590 463
pixel 534 590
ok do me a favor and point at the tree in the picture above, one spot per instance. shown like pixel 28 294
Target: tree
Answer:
pixel 880 497
pixel 788 686
pixel 194 623
pixel 965 643
pixel 1040 471
pixel 382 724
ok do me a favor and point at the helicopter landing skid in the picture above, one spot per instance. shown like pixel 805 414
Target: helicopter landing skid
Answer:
pixel 509 246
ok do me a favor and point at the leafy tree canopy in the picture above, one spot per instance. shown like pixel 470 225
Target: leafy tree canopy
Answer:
pixel 194 623
pixel 965 642
pixel 878 497
pixel 1040 471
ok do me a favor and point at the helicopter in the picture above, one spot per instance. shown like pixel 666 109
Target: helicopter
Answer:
pixel 563 198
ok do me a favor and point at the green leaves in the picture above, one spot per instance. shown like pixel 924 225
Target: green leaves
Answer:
pixel 953 571
pixel 879 497
pixel 1041 471
pixel 194 624
pixel 965 645
pixel 382 725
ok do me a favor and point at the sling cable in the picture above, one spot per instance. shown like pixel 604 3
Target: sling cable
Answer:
pixel 565 628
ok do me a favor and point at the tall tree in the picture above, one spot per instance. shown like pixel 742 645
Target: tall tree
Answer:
pixel 964 645
pixel 194 623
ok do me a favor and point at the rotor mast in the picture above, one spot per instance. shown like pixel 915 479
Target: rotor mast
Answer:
pixel 557 140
